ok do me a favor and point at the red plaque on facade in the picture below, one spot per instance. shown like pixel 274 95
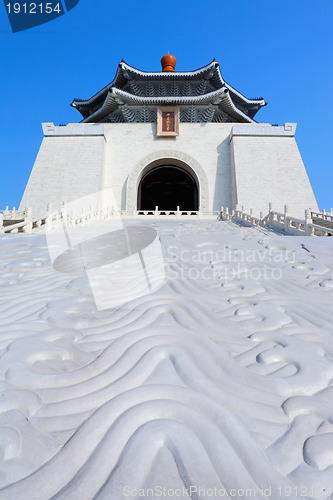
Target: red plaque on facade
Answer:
pixel 168 121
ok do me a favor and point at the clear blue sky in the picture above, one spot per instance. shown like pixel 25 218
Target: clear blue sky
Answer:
pixel 277 49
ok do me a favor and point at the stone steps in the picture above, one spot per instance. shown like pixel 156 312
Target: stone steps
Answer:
pixel 321 222
pixel 11 222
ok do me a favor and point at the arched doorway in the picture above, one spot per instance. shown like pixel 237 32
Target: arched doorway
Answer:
pixel 168 187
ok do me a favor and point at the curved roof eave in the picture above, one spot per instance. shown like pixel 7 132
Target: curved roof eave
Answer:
pixel 181 74
pixel 124 67
pixel 168 74
pixel 115 96
pixel 260 102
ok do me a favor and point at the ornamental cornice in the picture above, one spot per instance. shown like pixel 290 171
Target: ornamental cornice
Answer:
pixel 117 97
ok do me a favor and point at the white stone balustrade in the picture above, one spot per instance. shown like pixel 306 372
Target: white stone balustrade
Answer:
pixel 281 221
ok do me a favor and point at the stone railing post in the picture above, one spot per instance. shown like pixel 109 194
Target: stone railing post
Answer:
pixel 156 211
pixel 286 220
pixel 270 217
pixel 237 214
pixel 1 224
pixel 307 221
pixel 227 213
pixel 28 221
pixel 260 219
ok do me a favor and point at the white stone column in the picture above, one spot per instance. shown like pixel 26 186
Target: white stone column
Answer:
pixel 286 220
pixel 270 217
pixel 28 221
pixel 307 221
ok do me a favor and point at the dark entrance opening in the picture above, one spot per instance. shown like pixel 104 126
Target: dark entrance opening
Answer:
pixel 168 187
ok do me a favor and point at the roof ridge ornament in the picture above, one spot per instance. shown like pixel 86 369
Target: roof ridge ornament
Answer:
pixel 168 62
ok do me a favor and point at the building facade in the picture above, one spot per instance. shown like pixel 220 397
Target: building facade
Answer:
pixel 171 139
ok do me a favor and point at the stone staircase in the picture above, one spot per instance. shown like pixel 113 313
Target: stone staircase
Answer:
pixel 323 219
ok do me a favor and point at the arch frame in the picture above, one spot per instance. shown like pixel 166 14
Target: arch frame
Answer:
pixel 176 158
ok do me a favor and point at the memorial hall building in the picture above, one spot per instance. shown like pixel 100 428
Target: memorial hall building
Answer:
pixel 171 139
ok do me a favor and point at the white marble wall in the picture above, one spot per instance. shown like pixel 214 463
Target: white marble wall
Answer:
pixel 67 167
pixel 268 168
pixel 235 163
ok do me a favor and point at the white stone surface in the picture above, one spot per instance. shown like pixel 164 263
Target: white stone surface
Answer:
pixel 260 165
pixel 222 378
pixel 66 168
pixel 268 168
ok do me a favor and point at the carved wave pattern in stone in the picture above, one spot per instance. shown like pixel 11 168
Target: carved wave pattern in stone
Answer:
pixel 216 381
